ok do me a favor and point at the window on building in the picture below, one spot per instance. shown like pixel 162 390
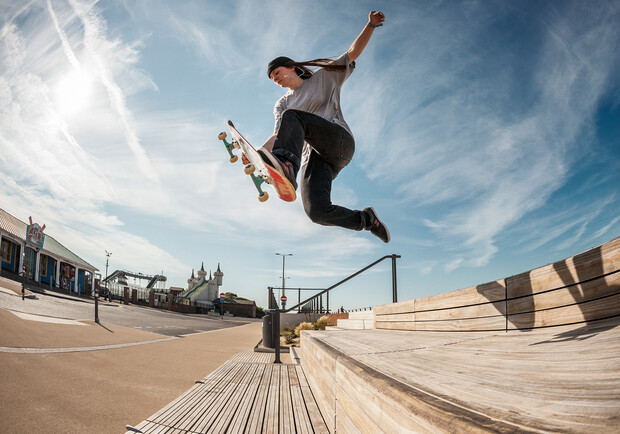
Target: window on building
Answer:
pixel 43 266
pixel 7 250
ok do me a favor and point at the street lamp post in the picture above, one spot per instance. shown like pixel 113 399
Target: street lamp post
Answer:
pixel 107 260
pixel 276 319
pixel 284 255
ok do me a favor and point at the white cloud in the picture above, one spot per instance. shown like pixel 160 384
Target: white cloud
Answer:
pixel 464 145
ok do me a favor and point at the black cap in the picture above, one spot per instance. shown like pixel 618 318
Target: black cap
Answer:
pixel 277 62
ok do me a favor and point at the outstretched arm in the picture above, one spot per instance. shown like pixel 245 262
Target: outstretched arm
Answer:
pixel 375 18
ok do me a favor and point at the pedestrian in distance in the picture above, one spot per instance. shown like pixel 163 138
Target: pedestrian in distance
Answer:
pixel 311 136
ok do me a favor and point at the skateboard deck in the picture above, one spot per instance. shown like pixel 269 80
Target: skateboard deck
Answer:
pixel 257 169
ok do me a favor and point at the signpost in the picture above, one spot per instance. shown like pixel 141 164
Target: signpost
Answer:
pixel 222 298
pixel 283 300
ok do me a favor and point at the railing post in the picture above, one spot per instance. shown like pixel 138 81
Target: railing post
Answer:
pixel 394 289
pixel 276 334
pixel 327 296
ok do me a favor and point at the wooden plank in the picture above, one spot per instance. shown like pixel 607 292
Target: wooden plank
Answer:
pixel 344 422
pixel 319 365
pixel 573 314
pixel 286 419
pixel 257 414
pixel 492 323
pixel 375 397
pixel 242 415
pixel 300 413
pixel 270 423
pixel 579 293
pixel 227 410
pixel 196 398
pixel 397 317
pixel 400 307
pixel 352 415
pixel 392 325
pixel 251 356
pixel 144 426
pixel 466 312
pixel 210 414
pixel 322 386
pixel 314 414
pixel 591 264
pixel 192 410
pixel 485 293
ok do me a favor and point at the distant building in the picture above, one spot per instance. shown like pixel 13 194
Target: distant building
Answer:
pixel 26 248
pixel 201 291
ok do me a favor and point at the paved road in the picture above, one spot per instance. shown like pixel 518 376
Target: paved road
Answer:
pixel 137 317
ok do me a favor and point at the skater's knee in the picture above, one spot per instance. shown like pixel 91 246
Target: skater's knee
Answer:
pixel 317 213
pixel 290 115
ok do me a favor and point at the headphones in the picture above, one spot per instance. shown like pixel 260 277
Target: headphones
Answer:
pixel 298 75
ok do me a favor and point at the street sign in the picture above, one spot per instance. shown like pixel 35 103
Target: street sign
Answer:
pixel 222 295
pixel 283 299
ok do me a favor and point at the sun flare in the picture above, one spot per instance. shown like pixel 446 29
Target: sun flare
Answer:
pixel 74 91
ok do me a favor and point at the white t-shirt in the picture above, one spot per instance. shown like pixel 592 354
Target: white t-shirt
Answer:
pixel 319 95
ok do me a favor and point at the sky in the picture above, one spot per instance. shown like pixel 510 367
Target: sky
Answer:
pixel 487 137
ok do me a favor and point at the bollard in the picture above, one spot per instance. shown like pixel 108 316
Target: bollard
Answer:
pixel 96 306
pixel 268 330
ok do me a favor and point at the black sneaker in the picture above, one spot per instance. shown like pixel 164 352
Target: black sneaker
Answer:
pixel 285 168
pixel 376 226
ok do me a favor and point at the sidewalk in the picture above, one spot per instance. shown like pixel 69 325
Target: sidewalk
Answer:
pixel 101 389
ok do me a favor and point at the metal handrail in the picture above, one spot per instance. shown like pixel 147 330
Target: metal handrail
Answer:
pixel 394 289
pixel 276 323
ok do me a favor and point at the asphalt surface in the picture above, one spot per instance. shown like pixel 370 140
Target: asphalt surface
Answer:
pixel 136 317
pixel 66 374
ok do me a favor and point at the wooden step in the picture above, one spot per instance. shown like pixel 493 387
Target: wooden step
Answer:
pixel 560 379
pixel 362 314
pixel 356 324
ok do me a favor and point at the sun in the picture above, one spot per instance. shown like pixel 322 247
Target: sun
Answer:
pixel 74 90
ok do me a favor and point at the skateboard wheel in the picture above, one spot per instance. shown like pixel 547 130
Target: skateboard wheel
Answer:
pixel 233 159
pixel 263 197
pixel 249 169
pixel 221 135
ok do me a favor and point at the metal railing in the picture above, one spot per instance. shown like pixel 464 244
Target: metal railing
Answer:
pixel 276 319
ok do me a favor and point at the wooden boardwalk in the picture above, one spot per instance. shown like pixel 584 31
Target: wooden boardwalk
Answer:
pixel 247 394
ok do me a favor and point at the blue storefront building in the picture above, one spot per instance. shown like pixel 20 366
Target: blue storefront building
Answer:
pixel 26 248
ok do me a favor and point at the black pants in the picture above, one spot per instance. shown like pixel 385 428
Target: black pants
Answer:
pixel 332 148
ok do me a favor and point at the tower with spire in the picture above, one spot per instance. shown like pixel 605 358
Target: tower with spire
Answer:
pixel 206 288
pixel 218 275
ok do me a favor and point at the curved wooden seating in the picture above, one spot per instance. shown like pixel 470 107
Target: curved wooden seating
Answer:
pixel 535 352
pixel 580 289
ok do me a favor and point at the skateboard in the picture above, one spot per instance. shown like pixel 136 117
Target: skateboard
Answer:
pixel 256 167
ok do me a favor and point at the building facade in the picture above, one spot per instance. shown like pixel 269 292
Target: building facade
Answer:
pixel 25 249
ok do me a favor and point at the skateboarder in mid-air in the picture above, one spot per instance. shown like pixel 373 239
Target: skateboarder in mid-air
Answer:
pixel 310 113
